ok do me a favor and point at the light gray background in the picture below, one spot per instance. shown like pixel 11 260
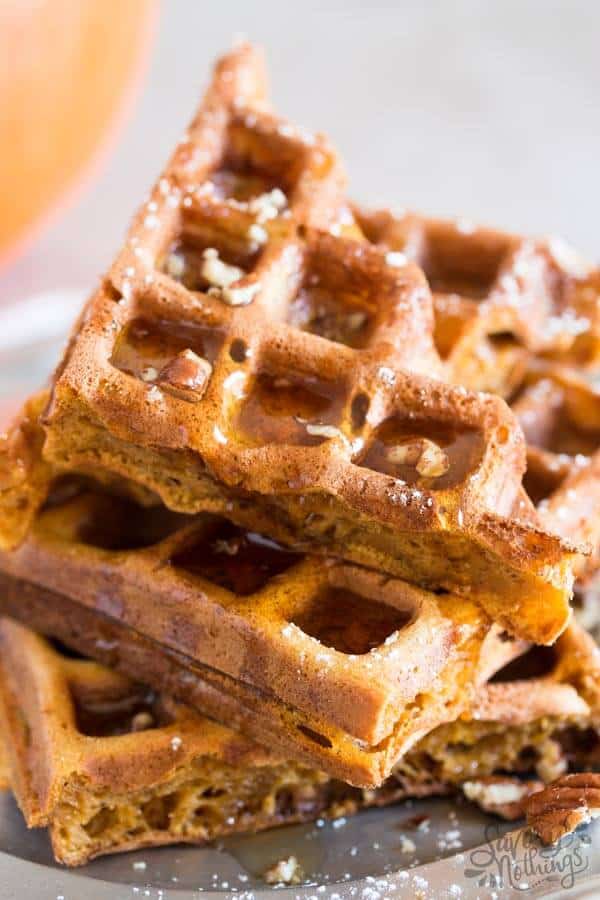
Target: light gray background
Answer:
pixel 489 110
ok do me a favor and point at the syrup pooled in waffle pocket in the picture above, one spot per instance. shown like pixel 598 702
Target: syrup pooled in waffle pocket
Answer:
pixel 244 358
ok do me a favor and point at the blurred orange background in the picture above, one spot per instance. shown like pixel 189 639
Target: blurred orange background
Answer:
pixel 68 71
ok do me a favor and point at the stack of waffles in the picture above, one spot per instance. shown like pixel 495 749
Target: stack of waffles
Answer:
pixel 325 475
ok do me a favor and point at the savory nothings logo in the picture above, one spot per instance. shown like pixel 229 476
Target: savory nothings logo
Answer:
pixel 517 860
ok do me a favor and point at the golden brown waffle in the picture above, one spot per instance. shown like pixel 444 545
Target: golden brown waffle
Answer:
pixel 559 412
pixel 535 720
pixel 353 666
pixel 110 766
pixel 292 395
pixel 538 715
pixel 565 697
pixel 517 316
pixel 498 297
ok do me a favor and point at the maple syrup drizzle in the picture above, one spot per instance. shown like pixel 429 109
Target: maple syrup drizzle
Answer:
pixel 461 447
pixel 345 621
pixel 284 410
pixel 146 346
pixel 317 310
pixel 235 559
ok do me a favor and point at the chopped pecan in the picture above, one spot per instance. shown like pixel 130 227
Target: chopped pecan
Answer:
pixel 427 456
pixel 433 461
pixel 185 376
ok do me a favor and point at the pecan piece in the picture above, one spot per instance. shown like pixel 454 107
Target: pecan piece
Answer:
pixel 186 376
pixel 569 801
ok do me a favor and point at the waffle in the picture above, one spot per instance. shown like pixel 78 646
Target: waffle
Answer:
pixel 25 477
pixel 538 715
pixel 351 667
pixel 111 766
pixel 242 359
pixel 498 297
pixel 109 624
pixel 520 318
pixel 534 721
pixel 559 412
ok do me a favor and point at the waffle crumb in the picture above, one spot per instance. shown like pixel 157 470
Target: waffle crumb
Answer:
pixel 285 871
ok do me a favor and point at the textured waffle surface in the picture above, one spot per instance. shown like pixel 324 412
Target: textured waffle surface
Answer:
pixel 559 411
pixel 245 354
pixel 498 297
pixel 519 317
pixel 355 665
pixel 110 765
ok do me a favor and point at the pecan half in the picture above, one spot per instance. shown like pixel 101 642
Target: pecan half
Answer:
pixel 569 801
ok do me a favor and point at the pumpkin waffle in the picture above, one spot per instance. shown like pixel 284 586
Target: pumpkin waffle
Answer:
pixel 559 412
pixel 242 359
pixel 352 667
pixel 536 719
pixel 111 766
pixel 498 297
pixel 158 639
